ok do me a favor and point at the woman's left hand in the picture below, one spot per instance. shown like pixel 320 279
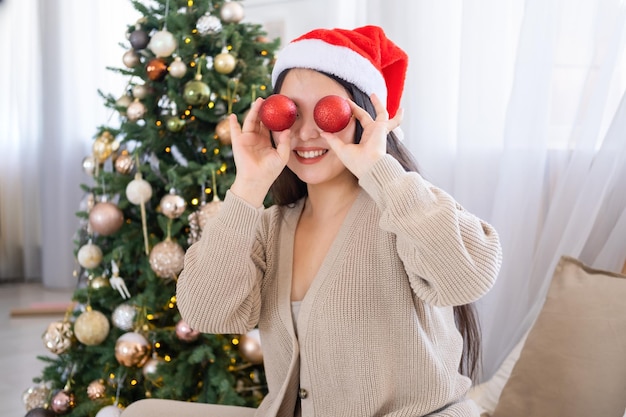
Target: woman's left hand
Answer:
pixel 360 157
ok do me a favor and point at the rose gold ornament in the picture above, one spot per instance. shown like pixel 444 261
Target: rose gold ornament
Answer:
pixel 62 402
pixel 151 368
pixel 173 205
pixel 124 164
pixel 124 101
pixel 178 68
pixel 91 328
pixel 136 110
pixel 156 69
pixel 89 256
pixel 96 389
pixel 132 349
pixel 140 91
pixel 222 130
pixel 232 12
pixel 250 347
pixel 58 337
pixel 185 333
pixel 198 219
pixel 166 259
pixel 106 218
pixel 130 58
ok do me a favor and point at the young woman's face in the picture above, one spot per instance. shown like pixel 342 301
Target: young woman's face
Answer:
pixel 312 159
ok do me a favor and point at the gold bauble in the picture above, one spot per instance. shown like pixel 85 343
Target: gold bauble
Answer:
pixel 104 146
pixel 91 328
pixel 224 63
pixel 99 282
pixel 175 124
pixel 222 130
pixel 132 349
pixel 196 92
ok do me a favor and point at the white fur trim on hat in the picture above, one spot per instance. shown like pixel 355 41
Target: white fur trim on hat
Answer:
pixel 340 61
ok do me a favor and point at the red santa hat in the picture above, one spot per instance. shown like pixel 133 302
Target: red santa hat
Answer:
pixel 363 56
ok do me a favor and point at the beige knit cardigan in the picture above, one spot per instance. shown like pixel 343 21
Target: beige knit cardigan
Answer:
pixel 375 332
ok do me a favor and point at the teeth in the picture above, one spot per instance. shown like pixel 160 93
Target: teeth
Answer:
pixel 311 154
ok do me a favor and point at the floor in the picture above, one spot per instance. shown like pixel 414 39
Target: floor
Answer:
pixel 20 340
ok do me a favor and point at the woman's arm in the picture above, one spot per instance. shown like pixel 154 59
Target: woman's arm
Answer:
pixel 451 256
pixel 218 290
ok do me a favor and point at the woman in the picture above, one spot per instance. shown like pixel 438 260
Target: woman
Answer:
pixel 352 277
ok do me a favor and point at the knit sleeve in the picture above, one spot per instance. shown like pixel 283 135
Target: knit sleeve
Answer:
pixel 451 256
pixel 218 290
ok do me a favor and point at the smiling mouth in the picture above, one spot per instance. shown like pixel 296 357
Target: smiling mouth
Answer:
pixel 311 154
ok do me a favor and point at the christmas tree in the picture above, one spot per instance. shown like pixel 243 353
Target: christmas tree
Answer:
pixel 159 170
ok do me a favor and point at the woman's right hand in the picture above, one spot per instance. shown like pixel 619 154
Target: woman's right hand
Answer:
pixel 258 162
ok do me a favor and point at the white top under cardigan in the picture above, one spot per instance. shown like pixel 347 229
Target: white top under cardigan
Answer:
pixel 376 333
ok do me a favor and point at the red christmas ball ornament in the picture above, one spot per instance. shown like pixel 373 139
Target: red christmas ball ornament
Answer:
pixel 332 113
pixel 278 112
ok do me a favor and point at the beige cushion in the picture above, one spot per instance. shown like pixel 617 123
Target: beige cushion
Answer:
pixel 574 360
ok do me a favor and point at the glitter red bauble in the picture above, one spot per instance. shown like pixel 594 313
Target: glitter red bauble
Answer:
pixel 278 112
pixel 332 113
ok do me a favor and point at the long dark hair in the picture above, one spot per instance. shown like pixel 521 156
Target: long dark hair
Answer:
pixel 288 188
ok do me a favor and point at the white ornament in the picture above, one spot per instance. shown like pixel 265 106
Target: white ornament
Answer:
pixel 163 44
pixel 232 12
pixel 89 256
pixel 208 24
pixel 138 191
pixel 124 316
pixel 109 411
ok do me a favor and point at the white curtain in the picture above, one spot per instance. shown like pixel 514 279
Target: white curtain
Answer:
pixel 20 131
pixel 55 55
pixel 517 108
pixel 514 107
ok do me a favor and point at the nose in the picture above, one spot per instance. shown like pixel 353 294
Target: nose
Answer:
pixel 305 126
